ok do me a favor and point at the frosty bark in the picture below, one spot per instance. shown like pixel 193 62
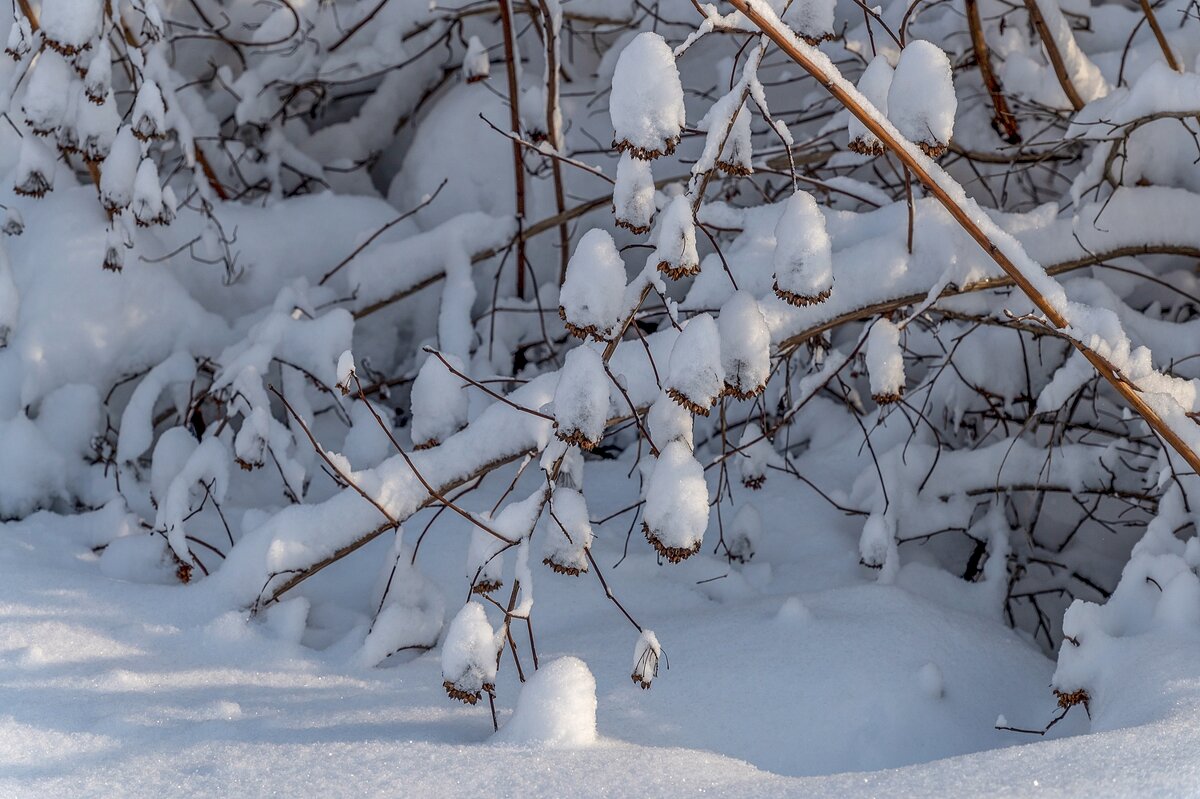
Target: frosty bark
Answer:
pixel 553 132
pixel 833 85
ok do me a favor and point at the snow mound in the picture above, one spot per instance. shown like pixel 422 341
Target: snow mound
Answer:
pixel 557 707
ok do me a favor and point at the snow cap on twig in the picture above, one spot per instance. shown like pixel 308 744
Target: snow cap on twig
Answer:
pixel 581 399
pixel 97 81
pixel 34 175
pixel 568 532
pixel 885 362
pixel 47 93
pixel 676 248
pixel 803 253
pixel 119 170
pixel 633 194
pixel 593 292
pixel 476 66
pixel 921 102
pixel 69 26
pixel 469 655
pixel 756 455
pixel 736 155
pixel 676 511
pixel 646 654
pixel 439 402
pixel 646 105
pixel 669 421
pixel 149 113
pixel 741 541
pixel 812 20
pixel 745 346
pixel 147 203
pixel 696 378
pixel 874 83
pixel 96 128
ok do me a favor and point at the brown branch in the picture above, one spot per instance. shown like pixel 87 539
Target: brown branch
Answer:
pixel 1003 120
pixel 514 115
pixel 1163 44
pixel 1053 54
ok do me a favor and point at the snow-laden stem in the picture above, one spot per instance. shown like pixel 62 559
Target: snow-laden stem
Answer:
pixel 925 171
pixel 1164 45
pixel 1054 54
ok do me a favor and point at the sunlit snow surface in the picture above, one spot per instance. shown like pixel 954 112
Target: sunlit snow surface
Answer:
pixel 778 673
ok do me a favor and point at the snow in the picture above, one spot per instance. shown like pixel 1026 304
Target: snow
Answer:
pixel 592 297
pixel 646 104
pixel 676 512
pixel 675 250
pixel 874 84
pixel 633 194
pixel 882 581
pixel 71 25
pixel 803 263
pixel 469 651
pixel 581 398
pixel 921 100
pixel 696 378
pixel 556 708
pixel 885 361
pixel 439 400
pixel 745 345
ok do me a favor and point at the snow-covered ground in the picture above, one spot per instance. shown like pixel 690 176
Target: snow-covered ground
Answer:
pixel 802 677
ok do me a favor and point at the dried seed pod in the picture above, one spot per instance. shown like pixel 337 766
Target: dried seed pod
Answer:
pixel 756 455
pixel 803 253
pixel 812 20
pixel 876 541
pixel 568 533
pixel 696 378
pixel 633 194
pixel 646 104
pixel 676 511
pixel 736 155
pixel 669 421
pixel 14 223
pixel 250 444
pixel 874 84
pixel 119 171
pixel 485 563
pixel 20 38
pixel 70 26
pixel 676 249
pixel 96 128
pixel 146 205
pixel 47 93
pixel 476 66
pixel 439 402
pixel 469 655
pixel 581 399
pixel 921 100
pixel 592 298
pixel 149 113
pixel 745 346
pixel 741 541
pixel 646 654
pixel 885 362
pixel 97 81
pixel 114 248
pixel 34 175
